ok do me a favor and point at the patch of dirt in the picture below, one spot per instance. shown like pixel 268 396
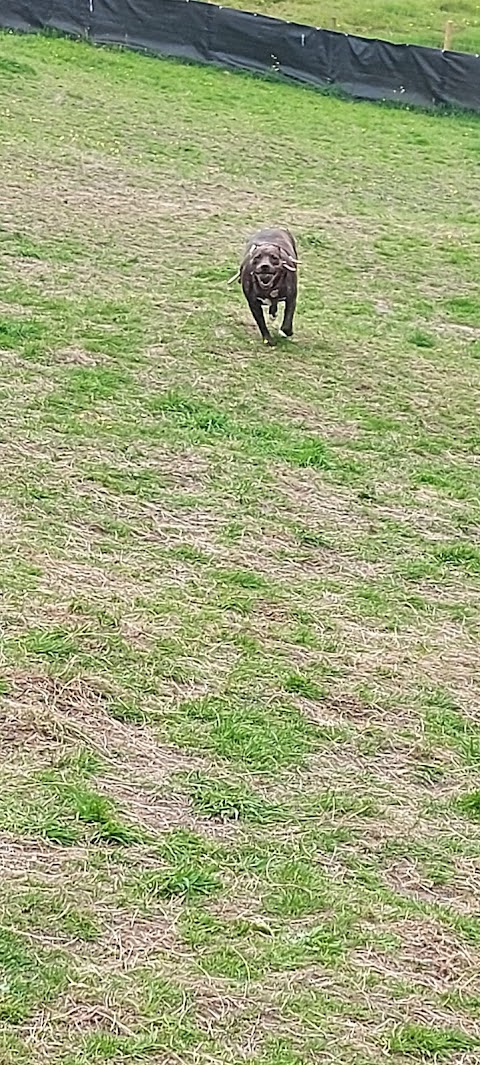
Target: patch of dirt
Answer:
pixel 456 329
pixel 307 416
pixel 133 940
pixel 310 497
pixel 99 197
pixel 429 955
pixel 383 306
pixel 375 1001
pixel 456 663
pixel 153 811
pixel 78 357
pixel 23 726
pixel 76 711
pixel 405 877
pixel 34 859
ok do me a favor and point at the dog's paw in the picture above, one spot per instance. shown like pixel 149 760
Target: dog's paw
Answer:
pixel 286 336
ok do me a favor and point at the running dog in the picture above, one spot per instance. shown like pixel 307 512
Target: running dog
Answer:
pixel 268 276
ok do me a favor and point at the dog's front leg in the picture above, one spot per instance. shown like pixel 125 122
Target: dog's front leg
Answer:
pixel 256 309
pixel 290 304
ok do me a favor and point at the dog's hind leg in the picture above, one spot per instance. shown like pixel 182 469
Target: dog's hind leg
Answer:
pixel 273 309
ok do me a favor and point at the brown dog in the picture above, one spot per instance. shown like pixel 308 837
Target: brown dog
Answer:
pixel 268 275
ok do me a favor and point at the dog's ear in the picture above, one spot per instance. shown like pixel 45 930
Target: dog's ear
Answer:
pixel 288 261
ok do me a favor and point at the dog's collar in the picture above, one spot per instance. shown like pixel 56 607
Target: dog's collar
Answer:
pixel 273 295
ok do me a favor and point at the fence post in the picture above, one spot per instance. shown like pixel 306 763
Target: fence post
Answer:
pixel 447 39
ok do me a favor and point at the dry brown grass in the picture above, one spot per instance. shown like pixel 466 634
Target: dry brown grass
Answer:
pixel 203 630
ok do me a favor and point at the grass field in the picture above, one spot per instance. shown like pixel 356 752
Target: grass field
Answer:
pixel 411 21
pixel 240 801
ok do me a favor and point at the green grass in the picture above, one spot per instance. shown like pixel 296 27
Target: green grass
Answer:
pixel 222 799
pixel 239 816
pixel 414 22
pixel 31 977
pixel 417 1041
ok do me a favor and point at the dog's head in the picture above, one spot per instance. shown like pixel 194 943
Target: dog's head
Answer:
pixel 268 263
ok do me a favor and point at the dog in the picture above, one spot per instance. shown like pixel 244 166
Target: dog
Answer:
pixel 268 276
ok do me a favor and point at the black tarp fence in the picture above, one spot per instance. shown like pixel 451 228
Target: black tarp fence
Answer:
pixel 189 29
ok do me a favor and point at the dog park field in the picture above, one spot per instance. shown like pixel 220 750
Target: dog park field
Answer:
pixel 239 803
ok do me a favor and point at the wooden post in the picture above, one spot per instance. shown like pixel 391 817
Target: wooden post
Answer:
pixel 447 39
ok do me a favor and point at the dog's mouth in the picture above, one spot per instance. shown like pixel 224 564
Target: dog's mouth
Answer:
pixel 265 280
